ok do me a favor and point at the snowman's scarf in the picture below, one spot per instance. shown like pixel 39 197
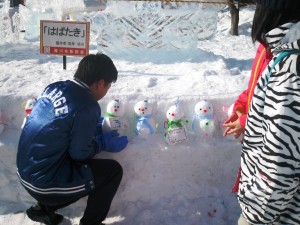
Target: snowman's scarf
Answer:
pixel 109 115
pixel 174 122
pixel 143 120
pixel 201 117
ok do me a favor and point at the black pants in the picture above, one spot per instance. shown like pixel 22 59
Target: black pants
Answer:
pixel 107 175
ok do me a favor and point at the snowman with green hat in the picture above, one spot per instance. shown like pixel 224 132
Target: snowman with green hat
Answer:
pixel 114 119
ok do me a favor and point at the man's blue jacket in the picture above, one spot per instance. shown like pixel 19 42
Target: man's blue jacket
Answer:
pixel 57 139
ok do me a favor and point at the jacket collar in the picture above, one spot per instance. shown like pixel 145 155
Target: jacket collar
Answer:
pixel 284 37
pixel 82 84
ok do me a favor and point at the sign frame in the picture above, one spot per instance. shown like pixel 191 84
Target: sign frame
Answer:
pixel 64 38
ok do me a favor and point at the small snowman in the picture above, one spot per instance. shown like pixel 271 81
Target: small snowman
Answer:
pixel 114 119
pixel 145 124
pixel 203 123
pixel 176 130
pixel 28 108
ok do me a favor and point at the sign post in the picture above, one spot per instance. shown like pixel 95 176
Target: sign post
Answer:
pixel 65 62
pixel 64 38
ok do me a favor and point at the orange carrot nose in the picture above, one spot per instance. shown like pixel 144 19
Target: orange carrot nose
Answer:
pixel 204 110
pixel 173 114
pixel 116 110
pixel 143 110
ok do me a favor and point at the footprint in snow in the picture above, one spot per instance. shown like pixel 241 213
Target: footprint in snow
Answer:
pixel 152 82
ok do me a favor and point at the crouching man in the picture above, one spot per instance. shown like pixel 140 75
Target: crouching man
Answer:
pixel 59 140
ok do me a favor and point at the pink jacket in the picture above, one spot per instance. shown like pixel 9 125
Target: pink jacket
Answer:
pixel 261 60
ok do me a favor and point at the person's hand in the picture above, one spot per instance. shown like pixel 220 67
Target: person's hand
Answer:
pixel 233 126
pixel 239 113
pixel 232 118
pixel 112 142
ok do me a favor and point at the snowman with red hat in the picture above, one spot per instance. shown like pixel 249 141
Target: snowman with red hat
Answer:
pixel 28 108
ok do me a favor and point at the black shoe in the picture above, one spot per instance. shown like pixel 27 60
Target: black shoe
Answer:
pixel 44 214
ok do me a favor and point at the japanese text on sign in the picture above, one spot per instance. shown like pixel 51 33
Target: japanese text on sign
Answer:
pixel 64 31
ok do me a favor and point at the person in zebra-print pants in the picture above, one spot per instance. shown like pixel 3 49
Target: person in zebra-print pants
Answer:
pixel 269 188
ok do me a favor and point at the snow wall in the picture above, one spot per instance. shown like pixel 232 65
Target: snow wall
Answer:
pixel 119 25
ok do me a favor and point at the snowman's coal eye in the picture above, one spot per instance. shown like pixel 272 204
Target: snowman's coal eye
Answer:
pixel 139 108
pixel 146 108
pixel 118 106
pixel 200 109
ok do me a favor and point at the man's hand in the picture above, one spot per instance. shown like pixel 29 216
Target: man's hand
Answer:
pixel 112 142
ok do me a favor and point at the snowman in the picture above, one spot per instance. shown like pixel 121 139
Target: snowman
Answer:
pixel 114 119
pixel 203 123
pixel 145 124
pixel 28 108
pixel 176 130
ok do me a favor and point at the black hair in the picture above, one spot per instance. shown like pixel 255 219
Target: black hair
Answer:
pixel 93 68
pixel 265 19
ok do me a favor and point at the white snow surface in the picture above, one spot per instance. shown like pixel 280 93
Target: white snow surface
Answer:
pixel 185 184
